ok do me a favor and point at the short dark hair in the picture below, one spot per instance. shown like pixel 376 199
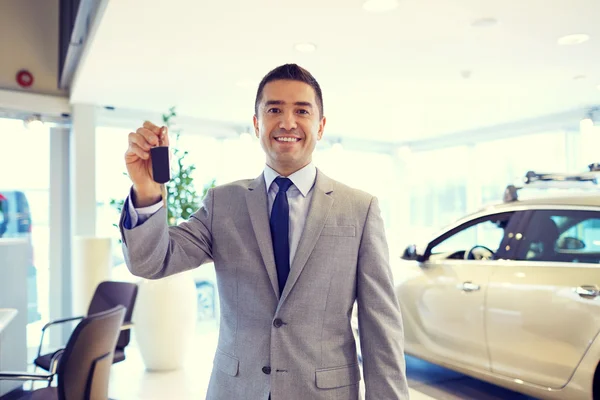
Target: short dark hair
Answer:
pixel 292 72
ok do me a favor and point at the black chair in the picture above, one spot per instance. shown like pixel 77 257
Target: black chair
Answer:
pixel 108 294
pixel 83 366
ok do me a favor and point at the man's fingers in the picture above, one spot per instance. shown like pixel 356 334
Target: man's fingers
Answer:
pixel 139 140
pixel 149 135
pixel 151 127
pixel 136 151
pixel 164 136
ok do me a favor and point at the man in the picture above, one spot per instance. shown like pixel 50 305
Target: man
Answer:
pixel 293 250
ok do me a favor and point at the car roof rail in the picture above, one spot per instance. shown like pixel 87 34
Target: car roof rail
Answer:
pixel 535 180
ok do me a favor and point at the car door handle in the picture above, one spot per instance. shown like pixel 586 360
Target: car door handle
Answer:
pixel 588 291
pixel 469 287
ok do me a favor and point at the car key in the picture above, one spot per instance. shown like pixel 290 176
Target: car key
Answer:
pixel 161 166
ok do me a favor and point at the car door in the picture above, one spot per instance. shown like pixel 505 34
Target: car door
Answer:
pixel 543 309
pixel 446 299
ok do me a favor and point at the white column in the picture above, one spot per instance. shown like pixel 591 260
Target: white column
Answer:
pixel 86 248
pixel 60 234
pixel 83 170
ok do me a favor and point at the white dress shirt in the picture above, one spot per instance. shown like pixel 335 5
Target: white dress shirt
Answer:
pixel 299 196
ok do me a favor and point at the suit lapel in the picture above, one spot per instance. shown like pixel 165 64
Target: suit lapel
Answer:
pixel 256 200
pixel 318 211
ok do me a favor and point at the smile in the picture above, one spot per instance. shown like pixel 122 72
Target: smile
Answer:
pixel 287 139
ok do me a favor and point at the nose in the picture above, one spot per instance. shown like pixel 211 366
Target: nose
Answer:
pixel 288 121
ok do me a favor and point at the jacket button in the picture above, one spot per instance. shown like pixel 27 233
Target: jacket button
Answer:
pixel 277 323
pixel 266 370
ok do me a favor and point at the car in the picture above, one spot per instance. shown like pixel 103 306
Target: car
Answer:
pixel 15 221
pixel 510 294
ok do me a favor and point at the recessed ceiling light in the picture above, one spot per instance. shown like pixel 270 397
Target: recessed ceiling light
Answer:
pixel 579 77
pixel 305 47
pixel 466 74
pixel 570 40
pixel 484 22
pixel 380 5
pixel 598 87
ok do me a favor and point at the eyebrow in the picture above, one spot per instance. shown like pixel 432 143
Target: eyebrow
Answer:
pixel 281 102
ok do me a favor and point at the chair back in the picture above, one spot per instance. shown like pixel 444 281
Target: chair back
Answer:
pixel 109 294
pixel 84 368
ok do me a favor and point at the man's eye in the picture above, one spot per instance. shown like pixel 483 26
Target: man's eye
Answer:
pixel 273 110
pixel 303 111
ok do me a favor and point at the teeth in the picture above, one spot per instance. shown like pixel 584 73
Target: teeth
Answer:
pixel 286 139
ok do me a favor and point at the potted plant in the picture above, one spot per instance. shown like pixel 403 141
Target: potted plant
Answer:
pixel 166 309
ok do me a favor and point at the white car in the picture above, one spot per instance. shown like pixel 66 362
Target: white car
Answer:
pixel 511 295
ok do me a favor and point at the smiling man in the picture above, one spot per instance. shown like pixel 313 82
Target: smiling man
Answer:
pixel 293 251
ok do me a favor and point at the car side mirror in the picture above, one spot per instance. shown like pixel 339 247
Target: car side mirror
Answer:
pixel 411 253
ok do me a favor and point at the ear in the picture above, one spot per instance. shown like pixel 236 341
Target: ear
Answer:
pixel 255 122
pixel 321 128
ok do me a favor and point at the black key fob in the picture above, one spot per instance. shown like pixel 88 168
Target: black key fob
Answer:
pixel 161 165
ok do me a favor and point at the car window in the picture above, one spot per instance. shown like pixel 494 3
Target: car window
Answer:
pixel 562 236
pixel 481 238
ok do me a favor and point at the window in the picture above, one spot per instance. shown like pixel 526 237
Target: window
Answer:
pixel 562 236
pixel 507 161
pixel 475 240
pixel 438 190
pixel 24 201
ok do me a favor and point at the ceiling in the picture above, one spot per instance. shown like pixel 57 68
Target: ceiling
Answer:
pixel 393 76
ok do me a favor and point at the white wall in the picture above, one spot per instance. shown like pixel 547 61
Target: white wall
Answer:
pixel 29 39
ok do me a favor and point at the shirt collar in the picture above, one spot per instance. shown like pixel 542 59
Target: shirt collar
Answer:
pixel 303 179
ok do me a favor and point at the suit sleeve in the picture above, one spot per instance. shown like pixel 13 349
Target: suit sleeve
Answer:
pixel 379 318
pixel 153 250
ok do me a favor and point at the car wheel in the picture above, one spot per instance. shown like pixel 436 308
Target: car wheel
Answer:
pixel 206 300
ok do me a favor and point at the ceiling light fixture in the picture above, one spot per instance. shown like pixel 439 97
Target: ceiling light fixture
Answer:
pixel 380 5
pixel 484 22
pixel 587 122
pixel 305 47
pixel 34 122
pixel 337 147
pixel 245 137
pixel 571 40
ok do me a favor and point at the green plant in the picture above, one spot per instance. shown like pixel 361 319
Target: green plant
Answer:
pixel 182 197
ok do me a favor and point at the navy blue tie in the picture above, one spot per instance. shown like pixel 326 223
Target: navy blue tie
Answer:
pixel 280 228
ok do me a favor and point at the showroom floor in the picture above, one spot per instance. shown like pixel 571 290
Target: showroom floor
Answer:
pixel 130 381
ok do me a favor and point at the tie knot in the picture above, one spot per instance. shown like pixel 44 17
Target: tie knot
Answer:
pixel 283 183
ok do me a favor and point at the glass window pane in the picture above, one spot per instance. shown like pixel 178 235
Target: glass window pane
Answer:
pixel 562 236
pixel 506 161
pixel 438 182
pixel 487 233
pixel 25 188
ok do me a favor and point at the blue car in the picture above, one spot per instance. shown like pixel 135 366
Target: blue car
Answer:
pixel 15 221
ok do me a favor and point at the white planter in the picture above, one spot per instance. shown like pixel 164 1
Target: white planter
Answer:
pixel 165 320
pixel 92 265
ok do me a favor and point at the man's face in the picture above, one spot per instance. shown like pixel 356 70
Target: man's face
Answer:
pixel 288 125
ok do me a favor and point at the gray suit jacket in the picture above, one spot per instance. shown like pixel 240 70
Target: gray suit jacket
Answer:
pixel 304 337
